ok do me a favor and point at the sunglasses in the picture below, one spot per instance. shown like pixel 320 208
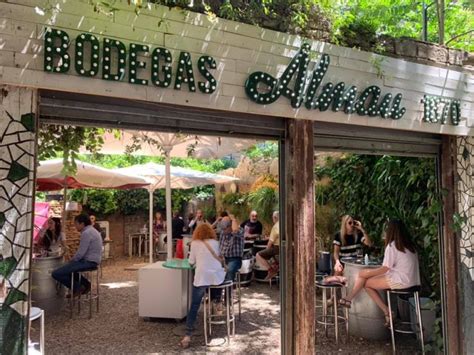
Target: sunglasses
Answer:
pixel 350 223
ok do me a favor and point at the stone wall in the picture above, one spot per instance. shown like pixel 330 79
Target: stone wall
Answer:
pixel 423 52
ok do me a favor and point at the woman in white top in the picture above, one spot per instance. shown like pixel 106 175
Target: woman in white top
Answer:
pixel 399 269
pixel 208 271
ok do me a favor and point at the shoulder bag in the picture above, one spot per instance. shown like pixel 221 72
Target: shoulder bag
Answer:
pixel 213 253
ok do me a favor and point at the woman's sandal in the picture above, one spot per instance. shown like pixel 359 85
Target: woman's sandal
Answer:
pixel 184 343
pixel 345 303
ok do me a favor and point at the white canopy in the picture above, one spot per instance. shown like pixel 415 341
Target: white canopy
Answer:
pixel 202 147
pixel 180 178
pixel 50 176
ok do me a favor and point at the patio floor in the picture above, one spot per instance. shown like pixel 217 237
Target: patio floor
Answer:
pixel 118 329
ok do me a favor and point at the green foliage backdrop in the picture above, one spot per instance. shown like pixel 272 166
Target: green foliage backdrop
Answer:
pixel 376 188
pixel 341 19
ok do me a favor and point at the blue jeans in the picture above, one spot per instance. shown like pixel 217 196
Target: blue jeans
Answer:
pixel 196 298
pixel 233 265
pixel 63 274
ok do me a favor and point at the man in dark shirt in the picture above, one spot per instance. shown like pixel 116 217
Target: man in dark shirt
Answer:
pixel 177 225
pixel 231 247
pixel 252 226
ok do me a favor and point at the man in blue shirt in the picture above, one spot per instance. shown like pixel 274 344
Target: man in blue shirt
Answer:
pixel 88 256
pixel 231 247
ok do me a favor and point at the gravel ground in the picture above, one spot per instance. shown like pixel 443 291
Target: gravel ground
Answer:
pixel 118 329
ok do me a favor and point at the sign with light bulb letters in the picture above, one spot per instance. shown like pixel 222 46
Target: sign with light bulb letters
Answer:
pixel 111 58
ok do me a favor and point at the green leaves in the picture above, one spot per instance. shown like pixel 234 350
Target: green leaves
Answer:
pixel 65 141
pixel 376 188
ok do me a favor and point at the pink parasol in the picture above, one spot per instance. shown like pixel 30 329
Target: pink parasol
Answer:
pixel 41 217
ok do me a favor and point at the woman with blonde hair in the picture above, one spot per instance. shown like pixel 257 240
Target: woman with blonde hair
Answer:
pixel 399 270
pixel 348 241
pixel 208 271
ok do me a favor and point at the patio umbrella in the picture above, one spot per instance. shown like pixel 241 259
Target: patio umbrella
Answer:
pixel 201 147
pixel 166 176
pixel 41 217
pixel 50 176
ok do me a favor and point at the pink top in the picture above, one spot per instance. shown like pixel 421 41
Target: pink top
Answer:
pixel 403 266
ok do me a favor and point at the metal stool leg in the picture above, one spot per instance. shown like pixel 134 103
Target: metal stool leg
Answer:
pixel 42 333
pixel 205 316
pixel 98 288
pixel 346 311
pixel 227 307
pixel 336 323
pixel 419 321
pixel 325 312
pixel 392 330
pixel 71 298
pixel 239 295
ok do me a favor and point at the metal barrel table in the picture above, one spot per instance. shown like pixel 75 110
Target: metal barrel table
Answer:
pixel 366 320
pixel 44 290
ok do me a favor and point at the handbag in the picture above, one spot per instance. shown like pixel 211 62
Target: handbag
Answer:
pixel 218 258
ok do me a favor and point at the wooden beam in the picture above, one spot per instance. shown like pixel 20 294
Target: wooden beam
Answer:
pixel 450 248
pixel 300 254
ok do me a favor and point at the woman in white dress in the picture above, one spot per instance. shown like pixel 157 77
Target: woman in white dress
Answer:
pixel 399 270
pixel 209 271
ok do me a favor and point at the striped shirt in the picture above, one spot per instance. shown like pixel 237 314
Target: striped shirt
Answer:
pixel 351 246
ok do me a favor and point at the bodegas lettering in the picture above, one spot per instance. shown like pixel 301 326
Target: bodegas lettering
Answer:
pixel 260 87
pixel 87 62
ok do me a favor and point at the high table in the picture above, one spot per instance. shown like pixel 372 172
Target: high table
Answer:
pixel 366 319
pixel 43 291
pixel 163 291
pixel 140 237
pixel 182 264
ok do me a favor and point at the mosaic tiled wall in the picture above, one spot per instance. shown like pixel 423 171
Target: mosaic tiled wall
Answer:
pixel 465 165
pixel 17 158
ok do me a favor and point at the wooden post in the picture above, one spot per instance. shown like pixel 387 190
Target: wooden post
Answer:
pixel 450 247
pixel 299 328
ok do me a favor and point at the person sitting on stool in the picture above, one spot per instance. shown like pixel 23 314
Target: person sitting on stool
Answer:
pixel 231 247
pixel 272 249
pixel 88 256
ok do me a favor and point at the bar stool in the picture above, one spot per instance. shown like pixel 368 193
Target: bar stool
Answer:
pixel 36 313
pixel 210 319
pixel 92 295
pixel 407 292
pixel 319 276
pixel 325 319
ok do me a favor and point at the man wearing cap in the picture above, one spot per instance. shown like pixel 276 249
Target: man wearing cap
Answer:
pixel 231 247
